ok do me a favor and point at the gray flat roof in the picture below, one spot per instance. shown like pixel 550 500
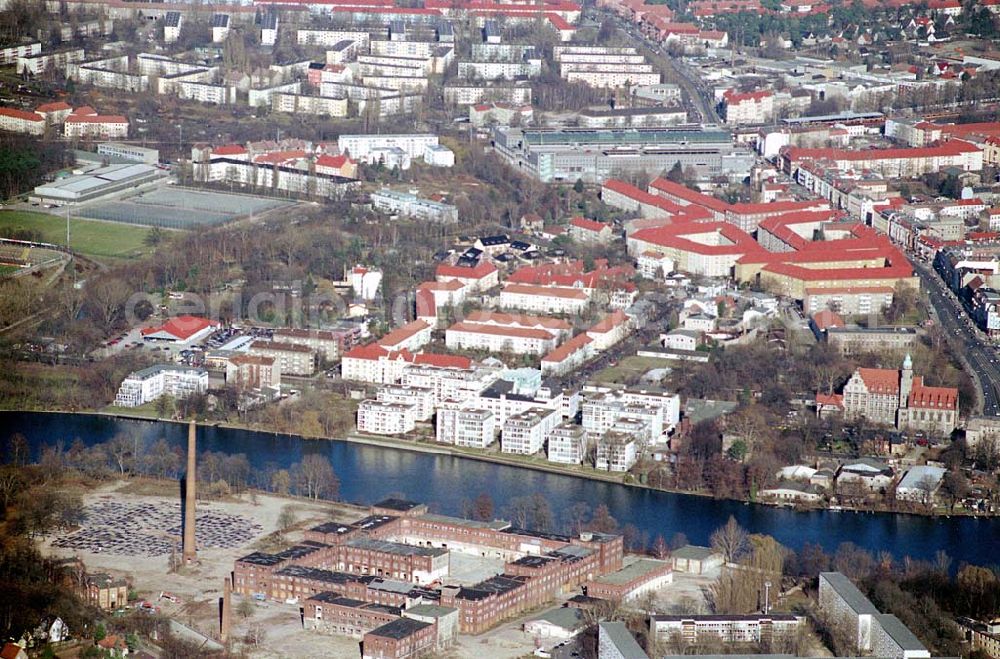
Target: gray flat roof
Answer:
pixel 849 593
pixel 431 610
pixel 619 636
pixel 900 633
pixel 693 552
pixel 629 573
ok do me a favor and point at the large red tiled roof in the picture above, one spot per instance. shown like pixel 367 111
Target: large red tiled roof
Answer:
pixel 826 319
pixel 563 352
pixel 880 380
pixel 610 322
pixel 501 330
pixel 546 291
pixel 24 115
pixel 400 334
pixel 676 236
pixel 181 327
pixel 949 148
pixel 229 150
pixel 922 396
pixel 442 361
pixel 520 320
pixel 483 269
pixel 686 194
pixel 587 224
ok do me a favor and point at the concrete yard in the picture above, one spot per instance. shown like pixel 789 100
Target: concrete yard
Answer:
pixel 139 549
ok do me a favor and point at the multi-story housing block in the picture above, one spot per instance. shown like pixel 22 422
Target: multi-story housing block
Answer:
pixel 462 425
pixel 146 385
pixel 384 418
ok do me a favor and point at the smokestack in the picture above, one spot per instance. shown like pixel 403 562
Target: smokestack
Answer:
pixel 227 609
pixel 190 492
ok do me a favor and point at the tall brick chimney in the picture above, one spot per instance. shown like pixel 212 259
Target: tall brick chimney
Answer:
pixel 190 493
pixel 226 620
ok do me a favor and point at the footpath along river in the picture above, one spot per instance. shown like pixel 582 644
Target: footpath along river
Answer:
pixel 367 473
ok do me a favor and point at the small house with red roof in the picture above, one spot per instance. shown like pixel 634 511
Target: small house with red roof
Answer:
pixel 337 166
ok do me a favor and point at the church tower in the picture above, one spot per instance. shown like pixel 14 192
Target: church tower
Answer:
pixel 905 382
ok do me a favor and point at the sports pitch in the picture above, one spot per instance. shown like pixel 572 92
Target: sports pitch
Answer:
pixel 174 207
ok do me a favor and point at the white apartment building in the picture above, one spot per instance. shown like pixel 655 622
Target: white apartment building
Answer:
pixel 420 398
pixel 269 29
pixel 95 126
pixel 41 62
pixel 470 94
pixel 360 147
pixel 15 120
pixel 324 343
pixel 748 108
pixel 437 155
pixel 499 70
pixel 604 410
pixel 294 359
pixel 609 75
pixel 388 65
pixel 544 299
pixel 314 105
pixel 465 426
pixel 203 92
pixel 391 48
pixel 846 605
pixel 525 433
pixel 10 54
pixel 172 22
pixel 331 37
pixel 109 73
pixel 751 628
pixel 383 418
pixel 616 451
pixel 449 384
pixel 148 384
pixel 877 634
pixel 653 265
pixel 220 27
pixel 493 338
pixel 567 444
pixel 410 205
pixel 264 96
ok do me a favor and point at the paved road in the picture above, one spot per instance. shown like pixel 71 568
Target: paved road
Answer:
pixel 980 357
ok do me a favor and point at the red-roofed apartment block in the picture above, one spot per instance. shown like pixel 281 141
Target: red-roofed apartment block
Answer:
pixel 412 336
pixel 482 277
pixel 748 108
pixel 710 249
pixel 589 231
pixel 889 163
pixel 21 121
pixel 375 364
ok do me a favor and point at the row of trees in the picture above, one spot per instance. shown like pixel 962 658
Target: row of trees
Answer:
pixel 125 456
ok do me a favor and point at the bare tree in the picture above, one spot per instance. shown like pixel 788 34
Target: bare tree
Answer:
pixel 315 477
pixel 732 540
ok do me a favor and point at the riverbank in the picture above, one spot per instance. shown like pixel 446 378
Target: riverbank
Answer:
pixel 524 462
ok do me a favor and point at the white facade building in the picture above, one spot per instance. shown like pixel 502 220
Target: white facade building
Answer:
pixel 525 433
pixel 383 418
pixel 567 444
pixel 145 386
pixel 465 426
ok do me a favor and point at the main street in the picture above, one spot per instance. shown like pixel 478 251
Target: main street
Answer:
pixel 980 357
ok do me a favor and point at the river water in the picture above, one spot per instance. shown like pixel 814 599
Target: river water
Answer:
pixel 369 473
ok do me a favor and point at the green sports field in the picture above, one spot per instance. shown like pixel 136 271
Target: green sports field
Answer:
pixel 100 240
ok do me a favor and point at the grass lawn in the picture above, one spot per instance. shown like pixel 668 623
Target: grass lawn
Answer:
pixel 630 368
pixel 101 240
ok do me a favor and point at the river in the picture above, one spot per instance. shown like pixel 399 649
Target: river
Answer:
pixel 368 473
